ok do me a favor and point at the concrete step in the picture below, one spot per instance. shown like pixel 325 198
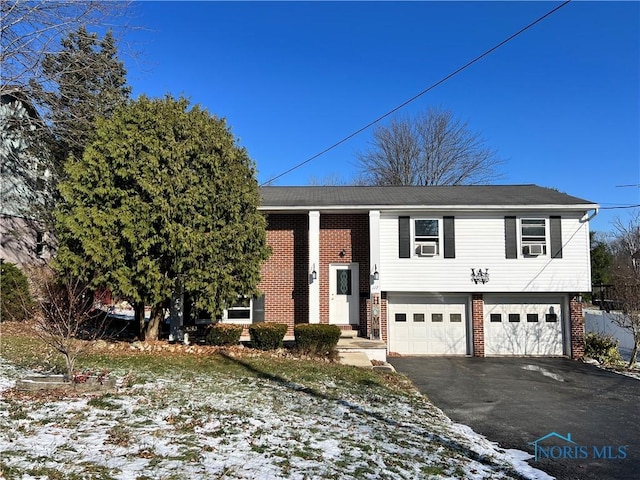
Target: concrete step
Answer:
pixel 349 334
pixel 355 359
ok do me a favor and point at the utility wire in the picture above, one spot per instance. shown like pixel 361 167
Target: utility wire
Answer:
pixel 415 97
pixel 615 208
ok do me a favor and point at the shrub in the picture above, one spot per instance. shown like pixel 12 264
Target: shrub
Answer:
pixel 601 347
pixel 16 303
pixel 317 339
pixel 267 336
pixel 224 334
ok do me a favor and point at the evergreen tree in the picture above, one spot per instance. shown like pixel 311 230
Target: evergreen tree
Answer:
pixel 162 196
pixel 89 82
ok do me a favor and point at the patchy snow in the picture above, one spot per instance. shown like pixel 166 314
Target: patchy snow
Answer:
pixel 543 371
pixel 244 428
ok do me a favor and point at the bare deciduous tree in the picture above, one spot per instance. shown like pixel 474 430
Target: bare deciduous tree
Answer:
pixel 626 279
pixel 30 29
pixel 431 148
pixel 66 320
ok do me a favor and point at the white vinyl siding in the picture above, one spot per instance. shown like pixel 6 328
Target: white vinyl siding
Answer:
pixel 480 243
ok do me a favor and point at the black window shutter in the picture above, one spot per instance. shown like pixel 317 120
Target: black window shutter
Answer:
pixel 404 237
pixel 449 237
pixel 555 231
pixel 258 309
pixel 510 237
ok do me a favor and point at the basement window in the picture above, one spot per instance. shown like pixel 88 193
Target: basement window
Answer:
pixel 240 311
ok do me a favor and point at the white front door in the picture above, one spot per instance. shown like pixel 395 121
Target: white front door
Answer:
pixel 344 294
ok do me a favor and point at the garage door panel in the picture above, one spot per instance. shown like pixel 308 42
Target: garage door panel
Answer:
pixel 429 327
pixel 523 328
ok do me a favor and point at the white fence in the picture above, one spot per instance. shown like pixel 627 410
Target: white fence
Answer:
pixel 600 321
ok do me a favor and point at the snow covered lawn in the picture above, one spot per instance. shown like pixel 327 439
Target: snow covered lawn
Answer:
pixel 256 425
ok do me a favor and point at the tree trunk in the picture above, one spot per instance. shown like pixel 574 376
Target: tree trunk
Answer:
pixel 153 327
pixel 70 360
pixel 634 353
pixel 138 309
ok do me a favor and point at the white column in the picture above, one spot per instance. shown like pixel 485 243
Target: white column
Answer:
pixel 374 249
pixel 314 265
pixel 375 332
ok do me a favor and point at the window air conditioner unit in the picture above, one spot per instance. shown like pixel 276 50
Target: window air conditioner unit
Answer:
pixel 428 249
pixel 534 249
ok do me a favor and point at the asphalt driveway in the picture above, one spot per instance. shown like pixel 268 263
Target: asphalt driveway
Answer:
pixel 515 401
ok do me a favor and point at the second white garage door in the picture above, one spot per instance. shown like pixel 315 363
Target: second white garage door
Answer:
pixel 523 326
pixel 421 325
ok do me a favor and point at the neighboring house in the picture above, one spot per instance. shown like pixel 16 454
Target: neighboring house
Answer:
pixel 23 178
pixel 444 270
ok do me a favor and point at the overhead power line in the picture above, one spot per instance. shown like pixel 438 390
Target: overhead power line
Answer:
pixel 615 208
pixel 415 97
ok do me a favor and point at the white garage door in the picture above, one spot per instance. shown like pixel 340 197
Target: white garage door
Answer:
pixel 523 326
pixel 421 325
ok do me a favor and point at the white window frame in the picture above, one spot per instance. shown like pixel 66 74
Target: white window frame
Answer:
pixel 526 240
pixel 249 320
pixel 432 238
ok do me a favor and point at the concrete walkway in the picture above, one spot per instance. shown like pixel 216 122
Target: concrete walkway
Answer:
pixel 355 359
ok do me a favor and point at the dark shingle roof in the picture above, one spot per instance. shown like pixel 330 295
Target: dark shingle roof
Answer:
pixel 461 196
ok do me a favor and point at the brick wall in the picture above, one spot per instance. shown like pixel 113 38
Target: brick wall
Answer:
pixel 577 327
pixel 285 274
pixel 477 312
pixel 383 316
pixel 344 238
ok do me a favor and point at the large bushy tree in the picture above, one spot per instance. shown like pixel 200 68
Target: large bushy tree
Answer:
pixel 429 148
pixel 164 195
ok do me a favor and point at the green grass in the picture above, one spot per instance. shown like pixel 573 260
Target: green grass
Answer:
pixel 30 352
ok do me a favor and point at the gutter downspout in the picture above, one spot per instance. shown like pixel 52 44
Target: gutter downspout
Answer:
pixel 590 217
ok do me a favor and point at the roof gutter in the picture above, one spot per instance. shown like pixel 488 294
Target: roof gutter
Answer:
pixel 586 218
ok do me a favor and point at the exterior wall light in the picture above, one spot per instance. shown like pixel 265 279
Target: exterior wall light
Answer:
pixel 376 274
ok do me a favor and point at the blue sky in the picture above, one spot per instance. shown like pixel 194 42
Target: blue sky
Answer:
pixel 560 102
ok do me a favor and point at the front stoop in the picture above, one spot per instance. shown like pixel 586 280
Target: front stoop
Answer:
pixel 374 350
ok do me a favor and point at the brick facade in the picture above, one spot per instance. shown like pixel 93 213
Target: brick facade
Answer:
pixel 344 238
pixel 285 275
pixel 577 327
pixel 477 323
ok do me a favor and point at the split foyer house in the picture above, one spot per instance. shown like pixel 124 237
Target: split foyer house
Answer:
pixel 442 270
